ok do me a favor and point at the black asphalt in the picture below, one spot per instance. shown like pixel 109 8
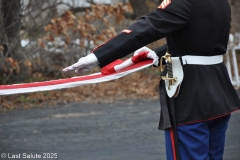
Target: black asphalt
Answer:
pixel 123 130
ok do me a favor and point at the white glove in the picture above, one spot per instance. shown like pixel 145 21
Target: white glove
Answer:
pixel 150 54
pixel 84 64
pixel 141 50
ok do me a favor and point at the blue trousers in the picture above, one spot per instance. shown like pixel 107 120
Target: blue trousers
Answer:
pixel 199 141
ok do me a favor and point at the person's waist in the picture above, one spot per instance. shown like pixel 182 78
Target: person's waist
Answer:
pixel 201 60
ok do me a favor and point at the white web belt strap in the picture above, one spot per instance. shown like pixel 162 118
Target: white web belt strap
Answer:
pixel 202 60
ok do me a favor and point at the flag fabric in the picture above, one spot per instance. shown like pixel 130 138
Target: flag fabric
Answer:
pixel 59 84
pixel 164 4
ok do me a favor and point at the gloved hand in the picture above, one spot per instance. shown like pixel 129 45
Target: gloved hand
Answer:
pixel 84 64
pixel 149 53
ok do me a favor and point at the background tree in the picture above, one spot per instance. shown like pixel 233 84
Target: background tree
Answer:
pixel 10 25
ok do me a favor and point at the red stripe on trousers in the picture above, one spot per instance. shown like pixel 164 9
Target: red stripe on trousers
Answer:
pixel 173 144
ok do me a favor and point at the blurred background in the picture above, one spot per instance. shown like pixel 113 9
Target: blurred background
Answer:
pixel 39 38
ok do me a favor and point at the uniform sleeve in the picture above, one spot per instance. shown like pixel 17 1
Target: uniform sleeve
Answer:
pixel 168 18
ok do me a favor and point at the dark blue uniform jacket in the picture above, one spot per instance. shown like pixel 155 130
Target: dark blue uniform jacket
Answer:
pixel 191 27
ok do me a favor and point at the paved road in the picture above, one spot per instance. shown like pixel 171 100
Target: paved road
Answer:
pixel 124 130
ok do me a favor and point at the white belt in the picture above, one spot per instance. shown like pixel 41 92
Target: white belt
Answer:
pixel 202 60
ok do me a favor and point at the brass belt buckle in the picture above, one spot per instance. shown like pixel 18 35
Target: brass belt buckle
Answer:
pixel 169 75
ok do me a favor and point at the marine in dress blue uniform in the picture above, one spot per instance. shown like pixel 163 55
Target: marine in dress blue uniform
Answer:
pixel 207 97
